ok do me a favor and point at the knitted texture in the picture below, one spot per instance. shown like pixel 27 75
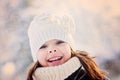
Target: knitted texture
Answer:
pixel 46 27
pixel 60 72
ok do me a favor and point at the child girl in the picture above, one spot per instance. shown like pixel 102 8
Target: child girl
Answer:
pixel 52 47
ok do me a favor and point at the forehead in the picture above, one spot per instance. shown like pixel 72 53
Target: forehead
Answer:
pixel 52 41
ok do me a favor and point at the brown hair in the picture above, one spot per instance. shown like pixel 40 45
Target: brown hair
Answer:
pixel 88 63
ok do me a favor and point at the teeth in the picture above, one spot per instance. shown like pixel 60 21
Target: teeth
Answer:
pixel 54 59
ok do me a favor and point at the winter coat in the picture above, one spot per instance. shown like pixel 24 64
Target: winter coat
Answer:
pixel 80 74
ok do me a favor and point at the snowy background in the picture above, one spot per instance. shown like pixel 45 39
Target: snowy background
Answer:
pixel 97 32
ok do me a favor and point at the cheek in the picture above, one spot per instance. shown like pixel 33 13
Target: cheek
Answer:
pixel 41 56
pixel 66 51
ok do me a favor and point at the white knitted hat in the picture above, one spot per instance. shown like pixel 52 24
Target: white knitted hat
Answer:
pixel 46 27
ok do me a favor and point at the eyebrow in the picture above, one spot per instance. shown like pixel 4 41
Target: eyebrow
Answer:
pixel 44 45
pixel 59 41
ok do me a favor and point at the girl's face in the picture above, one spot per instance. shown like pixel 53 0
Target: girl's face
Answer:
pixel 54 52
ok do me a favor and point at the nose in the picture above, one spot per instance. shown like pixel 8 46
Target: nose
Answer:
pixel 52 51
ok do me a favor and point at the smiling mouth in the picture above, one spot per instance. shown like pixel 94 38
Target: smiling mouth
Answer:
pixel 55 59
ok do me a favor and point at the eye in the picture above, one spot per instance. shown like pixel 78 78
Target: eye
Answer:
pixel 43 46
pixel 60 42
